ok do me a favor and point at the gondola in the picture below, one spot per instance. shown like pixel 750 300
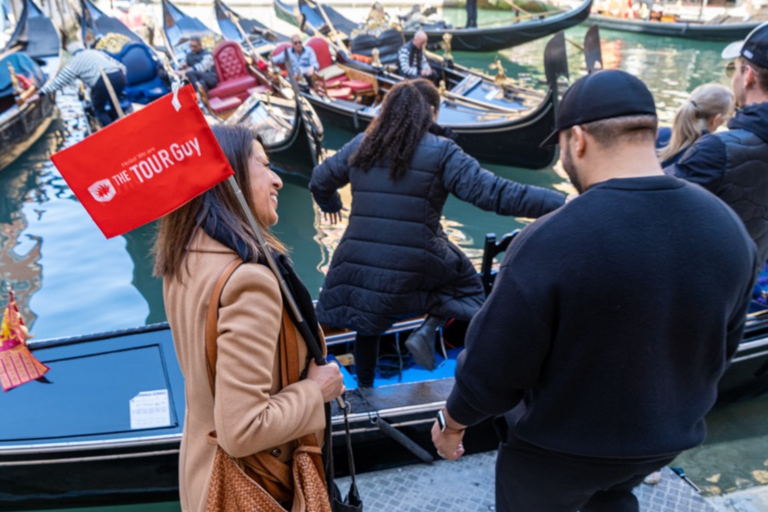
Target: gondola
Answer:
pixel 291 130
pixel 34 52
pixel 103 32
pixel 685 29
pixel 108 426
pixel 495 121
pixel 483 39
pixel 258 34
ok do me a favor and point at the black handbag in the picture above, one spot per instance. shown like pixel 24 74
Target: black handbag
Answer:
pixel 351 502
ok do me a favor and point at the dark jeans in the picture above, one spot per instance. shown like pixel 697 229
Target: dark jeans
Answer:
pixel 471 13
pixel 100 97
pixel 366 357
pixel 207 79
pixel 531 479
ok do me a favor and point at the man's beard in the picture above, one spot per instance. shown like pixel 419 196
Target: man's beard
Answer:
pixel 570 168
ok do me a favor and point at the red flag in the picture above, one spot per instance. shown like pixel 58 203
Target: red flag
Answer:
pixel 17 364
pixel 145 165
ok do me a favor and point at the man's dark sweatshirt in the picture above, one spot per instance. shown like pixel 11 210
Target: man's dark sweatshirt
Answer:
pixel 615 317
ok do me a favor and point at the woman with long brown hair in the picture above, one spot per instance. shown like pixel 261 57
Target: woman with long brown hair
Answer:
pixel 251 411
pixel 394 260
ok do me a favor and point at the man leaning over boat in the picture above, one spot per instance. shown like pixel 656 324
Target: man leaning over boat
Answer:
pixel 605 335
pixel 88 65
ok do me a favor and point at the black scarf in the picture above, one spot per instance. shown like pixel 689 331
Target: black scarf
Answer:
pixel 218 232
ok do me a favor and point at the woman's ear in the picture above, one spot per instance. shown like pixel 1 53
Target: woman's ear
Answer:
pixel 714 123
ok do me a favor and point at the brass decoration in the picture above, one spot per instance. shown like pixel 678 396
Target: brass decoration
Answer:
pixel 376 61
pixel 441 88
pixel 501 76
pixel 447 46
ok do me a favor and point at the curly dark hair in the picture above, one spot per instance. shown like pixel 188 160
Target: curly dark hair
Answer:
pixel 429 91
pixel 396 132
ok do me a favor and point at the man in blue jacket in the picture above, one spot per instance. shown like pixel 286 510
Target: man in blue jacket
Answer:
pixel 734 165
pixel 607 330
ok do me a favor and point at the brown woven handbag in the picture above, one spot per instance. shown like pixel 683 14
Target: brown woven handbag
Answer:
pixel 261 482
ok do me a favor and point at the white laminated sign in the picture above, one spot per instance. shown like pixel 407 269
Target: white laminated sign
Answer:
pixel 150 409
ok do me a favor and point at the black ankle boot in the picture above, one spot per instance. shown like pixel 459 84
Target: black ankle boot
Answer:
pixel 421 342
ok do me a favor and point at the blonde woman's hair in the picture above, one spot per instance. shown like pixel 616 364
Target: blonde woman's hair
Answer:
pixel 705 102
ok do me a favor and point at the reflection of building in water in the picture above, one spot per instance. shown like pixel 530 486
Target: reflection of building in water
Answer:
pixel 20 271
pixel 139 246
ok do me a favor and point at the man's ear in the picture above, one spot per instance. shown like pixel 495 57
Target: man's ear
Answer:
pixel 578 141
pixel 750 80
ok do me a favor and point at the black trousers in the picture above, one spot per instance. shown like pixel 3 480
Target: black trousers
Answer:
pixel 366 357
pixel 471 13
pixel 207 79
pixel 100 97
pixel 531 479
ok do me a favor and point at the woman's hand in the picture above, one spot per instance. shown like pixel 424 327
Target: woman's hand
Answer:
pixel 334 217
pixel 328 377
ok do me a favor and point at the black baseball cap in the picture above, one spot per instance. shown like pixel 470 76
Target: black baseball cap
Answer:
pixel 601 95
pixel 754 48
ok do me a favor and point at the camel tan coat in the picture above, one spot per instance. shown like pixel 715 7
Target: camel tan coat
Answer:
pixel 250 413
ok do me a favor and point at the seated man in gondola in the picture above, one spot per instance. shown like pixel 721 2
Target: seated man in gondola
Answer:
pixel 303 59
pixel 87 65
pixel 412 60
pixel 199 67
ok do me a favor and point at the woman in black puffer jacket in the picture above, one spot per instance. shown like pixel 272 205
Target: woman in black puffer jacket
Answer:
pixel 394 260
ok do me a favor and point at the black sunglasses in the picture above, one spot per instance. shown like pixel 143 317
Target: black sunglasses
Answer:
pixel 296 42
pixel 730 69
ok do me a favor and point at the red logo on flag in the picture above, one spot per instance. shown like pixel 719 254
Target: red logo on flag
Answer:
pixel 145 165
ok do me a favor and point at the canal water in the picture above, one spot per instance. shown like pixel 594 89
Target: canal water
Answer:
pixel 70 280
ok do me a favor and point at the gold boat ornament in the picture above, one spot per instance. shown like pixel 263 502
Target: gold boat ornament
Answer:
pixel 375 60
pixel 447 46
pixel 500 78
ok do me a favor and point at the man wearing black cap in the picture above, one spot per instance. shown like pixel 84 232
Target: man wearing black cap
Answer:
pixel 734 164
pixel 602 342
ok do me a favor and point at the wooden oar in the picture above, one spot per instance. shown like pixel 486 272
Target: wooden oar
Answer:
pixel 331 27
pixel 168 46
pixel 112 94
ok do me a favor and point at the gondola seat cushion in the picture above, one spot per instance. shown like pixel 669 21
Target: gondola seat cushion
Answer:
pixel 322 52
pixel 143 84
pixel 340 93
pixel 357 85
pixel 232 70
pixel 219 105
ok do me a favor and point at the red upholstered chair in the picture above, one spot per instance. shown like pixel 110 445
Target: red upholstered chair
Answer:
pixel 331 73
pixel 232 70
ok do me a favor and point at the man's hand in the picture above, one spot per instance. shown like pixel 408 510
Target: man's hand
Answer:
pixel 448 444
pixel 426 71
pixel 334 217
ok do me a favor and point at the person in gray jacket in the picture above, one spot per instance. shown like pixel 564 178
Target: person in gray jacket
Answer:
pixel 394 260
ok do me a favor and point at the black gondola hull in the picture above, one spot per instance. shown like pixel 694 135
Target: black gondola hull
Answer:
pixel 509 143
pixel 119 466
pixel 23 129
pixel 700 31
pixel 493 39
pixel 485 39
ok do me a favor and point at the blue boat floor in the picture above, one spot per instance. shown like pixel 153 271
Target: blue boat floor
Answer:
pixel 444 368
pixel 467 485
